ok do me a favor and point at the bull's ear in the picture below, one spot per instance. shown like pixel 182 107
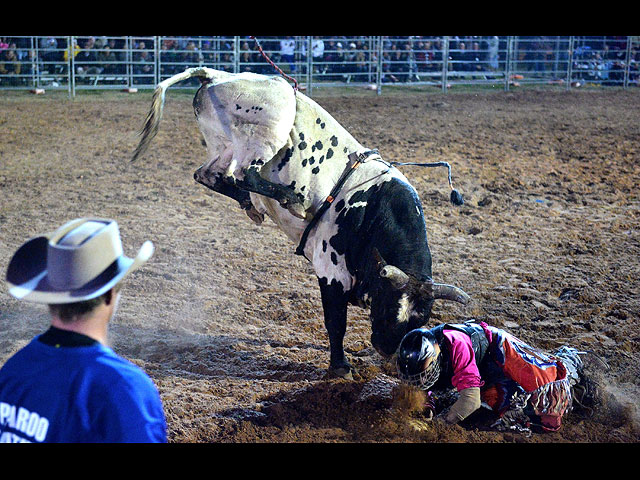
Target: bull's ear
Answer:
pixel 378 261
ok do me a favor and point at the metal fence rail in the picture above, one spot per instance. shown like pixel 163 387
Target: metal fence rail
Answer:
pixel 76 63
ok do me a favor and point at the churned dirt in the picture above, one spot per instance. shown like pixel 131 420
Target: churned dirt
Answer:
pixel 227 320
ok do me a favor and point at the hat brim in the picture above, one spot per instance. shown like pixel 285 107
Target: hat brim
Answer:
pixel 27 277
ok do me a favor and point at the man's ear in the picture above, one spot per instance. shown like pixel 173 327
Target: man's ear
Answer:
pixel 110 296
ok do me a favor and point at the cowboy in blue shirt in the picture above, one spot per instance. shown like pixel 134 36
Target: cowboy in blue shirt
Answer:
pixel 67 385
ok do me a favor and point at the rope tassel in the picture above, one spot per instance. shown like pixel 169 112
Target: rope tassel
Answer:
pixel 456 196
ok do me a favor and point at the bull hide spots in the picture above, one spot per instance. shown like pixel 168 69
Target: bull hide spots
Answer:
pixel 286 157
pixel 302 145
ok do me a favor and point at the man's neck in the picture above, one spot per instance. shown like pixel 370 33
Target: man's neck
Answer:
pixel 57 337
pixel 94 327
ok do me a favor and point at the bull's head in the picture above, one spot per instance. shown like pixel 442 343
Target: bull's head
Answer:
pixel 400 303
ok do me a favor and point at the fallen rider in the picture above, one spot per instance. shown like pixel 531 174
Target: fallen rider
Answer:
pixel 488 367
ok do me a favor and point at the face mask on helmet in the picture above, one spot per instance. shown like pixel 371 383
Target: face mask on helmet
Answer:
pixel 418 360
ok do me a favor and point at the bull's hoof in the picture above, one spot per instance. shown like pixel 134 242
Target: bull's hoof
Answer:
pixel 345 371
pixel 255 216
pixel 297 210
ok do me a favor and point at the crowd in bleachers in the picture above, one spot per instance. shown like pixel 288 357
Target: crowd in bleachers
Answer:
pixel 336 58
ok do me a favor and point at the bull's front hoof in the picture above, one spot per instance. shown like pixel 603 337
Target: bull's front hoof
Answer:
pixel 345 372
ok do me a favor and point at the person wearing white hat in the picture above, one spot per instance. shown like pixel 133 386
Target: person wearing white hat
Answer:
pixel 67 385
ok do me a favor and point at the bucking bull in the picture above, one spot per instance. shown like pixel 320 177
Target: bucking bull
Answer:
pixel 355 217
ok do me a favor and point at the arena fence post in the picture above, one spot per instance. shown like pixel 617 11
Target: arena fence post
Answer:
pixel 236 54
pixel 445 63
pixel 71 66
pixel 309 64
pixel 129 46
pixel 627 63
pixel 156 59
pixel 379 69
pixel 570 63
pixel 507 63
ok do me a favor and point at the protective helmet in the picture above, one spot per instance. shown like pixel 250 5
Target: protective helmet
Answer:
pixel 418 360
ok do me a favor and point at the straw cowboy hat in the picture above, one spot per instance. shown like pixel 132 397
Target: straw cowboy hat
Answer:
pixel 80 260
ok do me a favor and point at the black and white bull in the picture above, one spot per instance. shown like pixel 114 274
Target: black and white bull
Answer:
pixel 277 152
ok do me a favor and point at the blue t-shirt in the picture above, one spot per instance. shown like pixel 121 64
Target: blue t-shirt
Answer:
pixel 77 394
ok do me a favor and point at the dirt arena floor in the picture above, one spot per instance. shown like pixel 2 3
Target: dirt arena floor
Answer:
pixel 227 320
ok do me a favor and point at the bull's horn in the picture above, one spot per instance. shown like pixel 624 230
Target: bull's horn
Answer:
pixel 446 292
pixel 397 277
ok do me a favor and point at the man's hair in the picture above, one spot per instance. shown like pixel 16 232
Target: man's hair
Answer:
pixel 68 312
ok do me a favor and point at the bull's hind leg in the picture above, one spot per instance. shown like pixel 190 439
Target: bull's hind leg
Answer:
pixel 284 195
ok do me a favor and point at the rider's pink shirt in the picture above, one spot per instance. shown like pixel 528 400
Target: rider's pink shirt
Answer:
pixel 463 361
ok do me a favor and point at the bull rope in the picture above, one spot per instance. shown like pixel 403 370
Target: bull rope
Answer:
pixel 295 82
pixel 355 160
pixel 456 197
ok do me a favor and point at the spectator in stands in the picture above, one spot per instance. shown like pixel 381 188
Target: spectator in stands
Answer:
pixel 317 50
pixel 117 46
pixel 460 58
pixel 399 64
pixel 493 44
pixel 191 56
pixel 10 67
pixel 142 65
pixel 247 58
pixel 226 61
pixel 287 53
pixel 350 54
pixel 387 74
pixel 438 53
pixel 317 53
pixel 188 58
pixel 21 46
pixel 86 60
pixel 28 66
pixel 360 67
pixel 340 62
pixel 328 58
pixel 420 54
pixel 476 60
pixel 71 50
pixel 433 57
pixel 168 58
pixel 108 60
pixel 100 42
pixel 412 67
pixel 208 55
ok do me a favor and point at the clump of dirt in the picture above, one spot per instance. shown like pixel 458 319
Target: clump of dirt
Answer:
pixel 409 399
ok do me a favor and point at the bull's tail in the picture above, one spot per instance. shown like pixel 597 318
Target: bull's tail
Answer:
pixel 154 116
